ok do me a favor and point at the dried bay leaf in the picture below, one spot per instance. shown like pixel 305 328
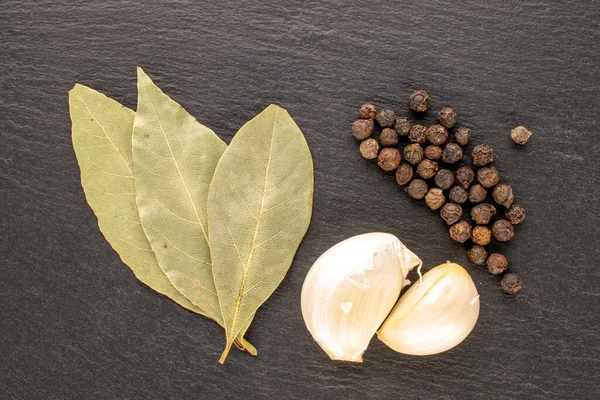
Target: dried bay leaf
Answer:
pixel 174 160
pixel 102 139
pixel 101 133
pixel 259 209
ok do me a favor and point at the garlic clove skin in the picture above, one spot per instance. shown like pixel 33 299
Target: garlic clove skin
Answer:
pixel 350 290
pixel 433 315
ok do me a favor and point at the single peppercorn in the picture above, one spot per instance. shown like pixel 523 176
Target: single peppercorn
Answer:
pixel 483 213
pixel 437 134
pixel 402 126
pixel 477 255
pixel 362 128
pixel 368 111
pixel 389 159
pixel 503 195
pixel 515 214
pixel 413 153
pixel 404 174
pixel 460 231
pixel 481 235
pixel 388 137
pixel 496 263
pixel 511 283
pixel 488 176
pixel 435 198
pixel 447 117
pixel 417 134
pixel 419 101
pixel 462 136
pixel 369 148
pixel 417 188
pixel 458 194
pixel 427 168
pixel 386 118
pixel 482 155
pixel 433 152
pixel 464 176
pixel 444 179
pixel 503 230
pixel 520 135
pixel 477 193
pixel 451 213
pixel 452 153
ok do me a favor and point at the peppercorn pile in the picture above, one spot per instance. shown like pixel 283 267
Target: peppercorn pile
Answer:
pixel 431 167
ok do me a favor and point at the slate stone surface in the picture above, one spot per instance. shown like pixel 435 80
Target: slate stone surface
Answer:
pixel 74 322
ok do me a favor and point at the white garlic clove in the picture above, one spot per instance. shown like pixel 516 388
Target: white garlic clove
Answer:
pixel 433 315
pixel 350 290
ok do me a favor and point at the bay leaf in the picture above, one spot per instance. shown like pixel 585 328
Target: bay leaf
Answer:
pixel 259 208
pixel 174 160
pixel 101 133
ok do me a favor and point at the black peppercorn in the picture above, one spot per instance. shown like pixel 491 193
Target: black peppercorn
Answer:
pixel 520 135
pixel 427 168
pixel 452 153
pixel 437 134
pixel 451 213
pixel 503 230
pixel 435 198
pixel 447 118
pixel 462 136
pixel 503 195
pixel 444 179
pixel 515 214
pixel 362 128
pixel 511 283
pixel 386 118
pixel 433 152
pixel 404 174
pixel 481 235
pixel 388 137
pixel 413 153
pixel 496 263
pixel 458 194
pixel 460 185
pixel 417 188
pixel 483 213
pixel 369 148
pixel 419 101
pixel 477 193
pixel 402 126
pixel 389 159
pixel 417 134
pixel 488 176
pixel 477 255
pixel 368 111
pixel 465 176
pixel 460 231
pixel 482 155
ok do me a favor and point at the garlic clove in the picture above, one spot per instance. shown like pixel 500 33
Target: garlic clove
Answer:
pixel 350 290
pixel 433 315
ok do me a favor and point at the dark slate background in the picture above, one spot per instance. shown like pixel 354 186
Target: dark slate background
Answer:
pixel 75 323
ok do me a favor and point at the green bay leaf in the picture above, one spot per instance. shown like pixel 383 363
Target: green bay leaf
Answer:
pixel 259 209
pixel 101 133
pixel 174 160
